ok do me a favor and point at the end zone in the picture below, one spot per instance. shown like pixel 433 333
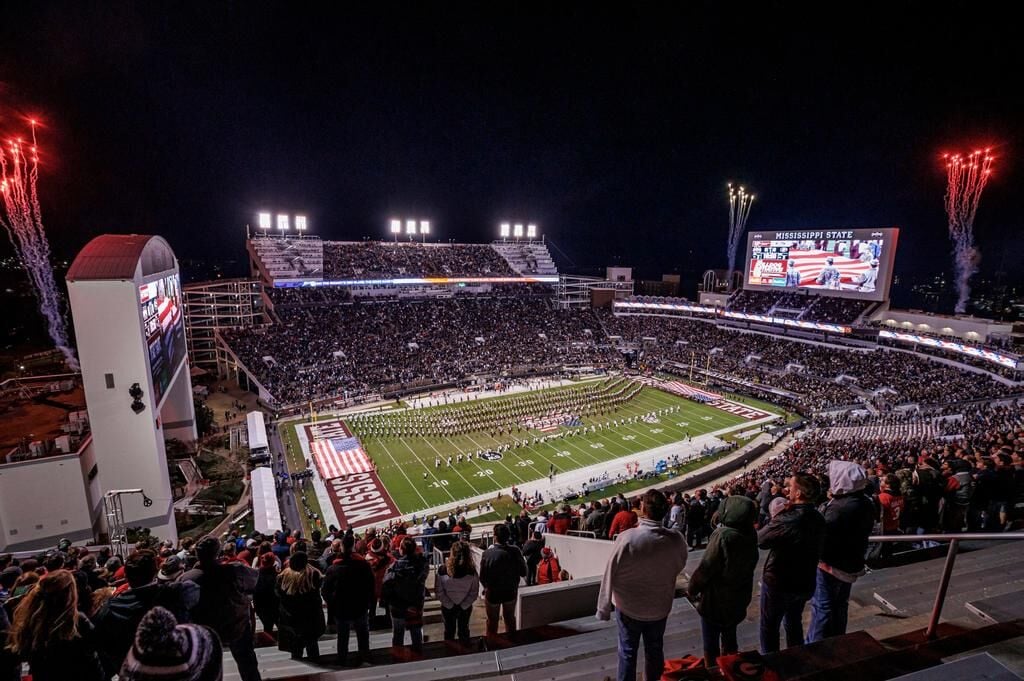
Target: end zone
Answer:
pixel 359 498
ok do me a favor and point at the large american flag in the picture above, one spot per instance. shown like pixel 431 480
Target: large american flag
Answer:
pixel 684 390
pixel 810 263
pixel 341 457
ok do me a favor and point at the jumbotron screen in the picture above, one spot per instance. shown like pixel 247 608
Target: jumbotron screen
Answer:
pixel 849 263
pixel 164 327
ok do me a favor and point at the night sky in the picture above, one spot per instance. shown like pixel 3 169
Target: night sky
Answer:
pixel 614 130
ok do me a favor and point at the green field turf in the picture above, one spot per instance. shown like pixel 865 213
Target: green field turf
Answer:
pixel 403 461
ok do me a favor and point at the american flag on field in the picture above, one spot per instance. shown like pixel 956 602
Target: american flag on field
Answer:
pixel 810 263
pixel 687 390
pixel 337 458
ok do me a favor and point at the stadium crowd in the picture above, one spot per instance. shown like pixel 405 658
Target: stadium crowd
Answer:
pixel 379 259
pixel 318 352
pixel 813 371
pixel 812 508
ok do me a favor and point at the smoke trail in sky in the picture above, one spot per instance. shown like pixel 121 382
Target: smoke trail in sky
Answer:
pixel 966 178
pixel 739 211
pixel 22 218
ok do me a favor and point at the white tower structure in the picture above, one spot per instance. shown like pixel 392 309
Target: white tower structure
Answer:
pixel 126 301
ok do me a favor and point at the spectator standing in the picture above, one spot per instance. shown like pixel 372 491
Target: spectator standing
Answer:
pixel 301 622
pixel 380 560
pixel 548 569
pixel 640 580
pixel 457 587
pixel 404 590
pixel 264 596
pixel 561 522
pixel 224 603
pixel 596 520
pixel 532 553
pixel 794 539
pixel 695 521
pixel 118 619
pixel 624 520
pixel 501 568
pixel 52 635
pixel 350 592
pixel 723 583
pixel 849 518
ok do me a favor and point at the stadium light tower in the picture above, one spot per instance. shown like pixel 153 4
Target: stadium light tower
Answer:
pixel 517 230
pixel 506 230
pixel 396 229
pixel 410 229
pixel 424 229
pixel 300 224
pixel 282 223
pixel 531 231
pixel 263 220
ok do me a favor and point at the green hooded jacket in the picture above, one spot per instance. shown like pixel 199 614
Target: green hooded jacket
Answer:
pixel 723 583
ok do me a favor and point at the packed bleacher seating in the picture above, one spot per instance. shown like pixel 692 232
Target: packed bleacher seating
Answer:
pixel 281 298
pixel 370 347
pixel 752 302
pixel 809 369
pixel 836 310
pixel 382 260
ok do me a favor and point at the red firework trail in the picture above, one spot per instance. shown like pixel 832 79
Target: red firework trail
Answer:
pixel 22 218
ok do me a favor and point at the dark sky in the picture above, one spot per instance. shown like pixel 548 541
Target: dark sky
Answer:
pixel 615 130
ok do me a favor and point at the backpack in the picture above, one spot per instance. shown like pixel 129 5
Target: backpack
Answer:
pixel 403 590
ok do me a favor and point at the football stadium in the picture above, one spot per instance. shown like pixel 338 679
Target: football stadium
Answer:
pixel 409 401
pixel 428 363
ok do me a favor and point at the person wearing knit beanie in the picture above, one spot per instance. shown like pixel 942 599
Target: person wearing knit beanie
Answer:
pixel 167 651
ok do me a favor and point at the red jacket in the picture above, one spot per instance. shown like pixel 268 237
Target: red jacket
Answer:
pixel 561 523
pixel 548 570
pixel 622 521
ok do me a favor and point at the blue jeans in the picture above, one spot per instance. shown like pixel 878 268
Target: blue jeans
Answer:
pixel 829 607
pixel 713 634
pixel 779 607
pixel 362 627
pixel 653 633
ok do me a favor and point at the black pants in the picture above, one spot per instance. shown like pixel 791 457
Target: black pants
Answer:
pixel 456 619
pixel 312 649
pixel 245 656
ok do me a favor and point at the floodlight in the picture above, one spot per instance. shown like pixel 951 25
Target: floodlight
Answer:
pixel 264 219
pixel 506 230
pixel 396 226
pixel 424 226
pixel 531 231
pixel 410 226
pixel 282 222
pixel 300 223
pixel 517 230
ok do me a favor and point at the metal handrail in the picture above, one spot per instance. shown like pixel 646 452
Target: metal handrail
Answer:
pixel 947 569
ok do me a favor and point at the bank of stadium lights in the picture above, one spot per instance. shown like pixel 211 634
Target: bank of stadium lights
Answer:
pixel 412 228
pixel 283 221
pixel 517 230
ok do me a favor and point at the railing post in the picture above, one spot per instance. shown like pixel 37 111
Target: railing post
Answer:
pixel 940 595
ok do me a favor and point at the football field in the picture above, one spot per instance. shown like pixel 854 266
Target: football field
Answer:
pixel 407 466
